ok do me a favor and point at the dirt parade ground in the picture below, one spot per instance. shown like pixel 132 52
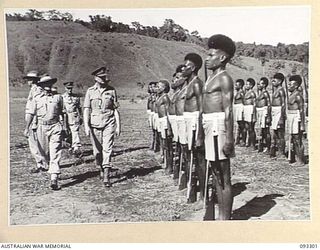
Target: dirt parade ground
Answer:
pixel 263 188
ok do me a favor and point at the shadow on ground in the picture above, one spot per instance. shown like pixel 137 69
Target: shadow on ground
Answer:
pixel 256 207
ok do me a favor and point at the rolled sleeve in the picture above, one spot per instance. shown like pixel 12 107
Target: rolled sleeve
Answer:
pixel 86 103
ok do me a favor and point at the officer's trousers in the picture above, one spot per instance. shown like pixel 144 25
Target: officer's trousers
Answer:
pixel 102 140
pixel 50 141
pixel 74 128
pixel 34 148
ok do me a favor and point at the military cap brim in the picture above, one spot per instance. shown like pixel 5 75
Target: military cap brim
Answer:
pixel 47 80
pixel 32 75
pixel 99 72
pixel 68 84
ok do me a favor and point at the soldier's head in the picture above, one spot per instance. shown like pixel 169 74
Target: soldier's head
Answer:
pixel 68 87
pixel 101 76
pixel 239 84
pixel 250 83
pixel 192 64
pixel 178 79
pixel 263 83
pixel 152 87
pixel 294 82
pixel 32 77
pixel 46 82
pixel 277 79
pixel 221 50
pixel 163 86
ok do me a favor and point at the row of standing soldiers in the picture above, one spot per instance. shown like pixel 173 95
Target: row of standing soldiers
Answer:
pixel 263 121
pixel 192 126
pixel 49 115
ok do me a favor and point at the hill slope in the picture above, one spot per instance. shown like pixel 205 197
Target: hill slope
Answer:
pixel 70 51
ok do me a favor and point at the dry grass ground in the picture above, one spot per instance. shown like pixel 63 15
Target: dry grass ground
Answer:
pixel 264 188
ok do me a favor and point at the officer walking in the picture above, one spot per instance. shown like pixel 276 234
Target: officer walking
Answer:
pixel 30 132
pixel 73 113
pixel 102 120
pixel 47 109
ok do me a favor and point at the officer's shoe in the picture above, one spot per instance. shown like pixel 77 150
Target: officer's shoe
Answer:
pixel 54 182
pixel 106 177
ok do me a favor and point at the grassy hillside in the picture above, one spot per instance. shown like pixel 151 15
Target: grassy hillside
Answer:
pixel 69 51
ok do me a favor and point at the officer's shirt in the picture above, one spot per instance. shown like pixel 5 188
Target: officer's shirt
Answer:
pixel 102 103
pixel 47 107
pixel 34 91
pixel 71 106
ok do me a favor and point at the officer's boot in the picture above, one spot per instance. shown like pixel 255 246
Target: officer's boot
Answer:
pixel 106 177
pixel 54 182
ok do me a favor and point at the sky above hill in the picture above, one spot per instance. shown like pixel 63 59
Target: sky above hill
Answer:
pixel 262 25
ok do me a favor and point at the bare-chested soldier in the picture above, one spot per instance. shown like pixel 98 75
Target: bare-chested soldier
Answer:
pixel 150 111
pixel 155 120
pixel 164 128
pixel 263 106
pixel 278 108
pixel 177 82
pixel 296 119
pixel 238 110
pixel 218 120
pixel 192 111
pixel 249 113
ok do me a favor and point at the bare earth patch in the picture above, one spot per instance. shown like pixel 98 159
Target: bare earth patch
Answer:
pixel 264 188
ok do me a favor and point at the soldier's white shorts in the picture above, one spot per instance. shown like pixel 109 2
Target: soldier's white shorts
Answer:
pixel 174 127
pixel 163 125
pixel 275 116
pixel 192 126
pixel 214 125
pixel 156 121
pixel 247 113
pixel 182 129
pixel 261 117
pixel 238 112
pixel 149 113
pixel 293 119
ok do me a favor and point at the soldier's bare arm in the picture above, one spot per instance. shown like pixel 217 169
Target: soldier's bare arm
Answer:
pixel 197 89
pixel 282 96
pixel 226 86
pixel 300 102
pixel 267 97
pixel 86 114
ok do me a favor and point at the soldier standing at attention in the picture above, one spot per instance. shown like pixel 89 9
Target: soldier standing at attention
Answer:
pixel 73 113
pixel 238 110
pixel 47 109
pixel 102 121
pixel 278 109
pixel 162 105
pixel 192 117
pixel 177 81
pixel 263 106
pixel 217 120
pixel 150 110
pixel 30 132
pixel 296 119
pixel 249 113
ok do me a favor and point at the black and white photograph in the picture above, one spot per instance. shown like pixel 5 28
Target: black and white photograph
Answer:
pixel 158 115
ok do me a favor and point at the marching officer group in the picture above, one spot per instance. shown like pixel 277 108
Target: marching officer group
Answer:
pixel 49 115
pixel 193 125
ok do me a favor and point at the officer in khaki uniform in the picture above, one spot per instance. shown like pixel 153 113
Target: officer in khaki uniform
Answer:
pixel 72 111
pixel 101 120
pixel 47 109
pixel 31 131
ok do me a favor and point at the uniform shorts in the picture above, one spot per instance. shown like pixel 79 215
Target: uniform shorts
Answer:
pixel 247 113
pixel 192 126
pixel 261 117
pixel 238 112
pixel 174 127
pixel 293 119
pixel 163 125
pixel 182 130
pixel 275 116
pixel 214 126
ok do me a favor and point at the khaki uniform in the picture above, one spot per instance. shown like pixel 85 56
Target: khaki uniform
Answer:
pixel 33 139
pixel 71 107
pixel 102 103
pixel 47 109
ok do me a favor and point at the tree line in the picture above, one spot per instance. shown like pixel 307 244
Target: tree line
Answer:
pixel 169 31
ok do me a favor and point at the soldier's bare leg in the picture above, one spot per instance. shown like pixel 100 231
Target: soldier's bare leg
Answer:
pixel 267 137
pixel 247 134
pixel 222 179
pixel 201 170
pixel 273 143
pixel 183 175
pixel 282 142
pixel 298 148
pixel 252 134
pixel 176 160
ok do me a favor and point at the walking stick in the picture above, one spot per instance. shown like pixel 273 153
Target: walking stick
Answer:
pixel 206 185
